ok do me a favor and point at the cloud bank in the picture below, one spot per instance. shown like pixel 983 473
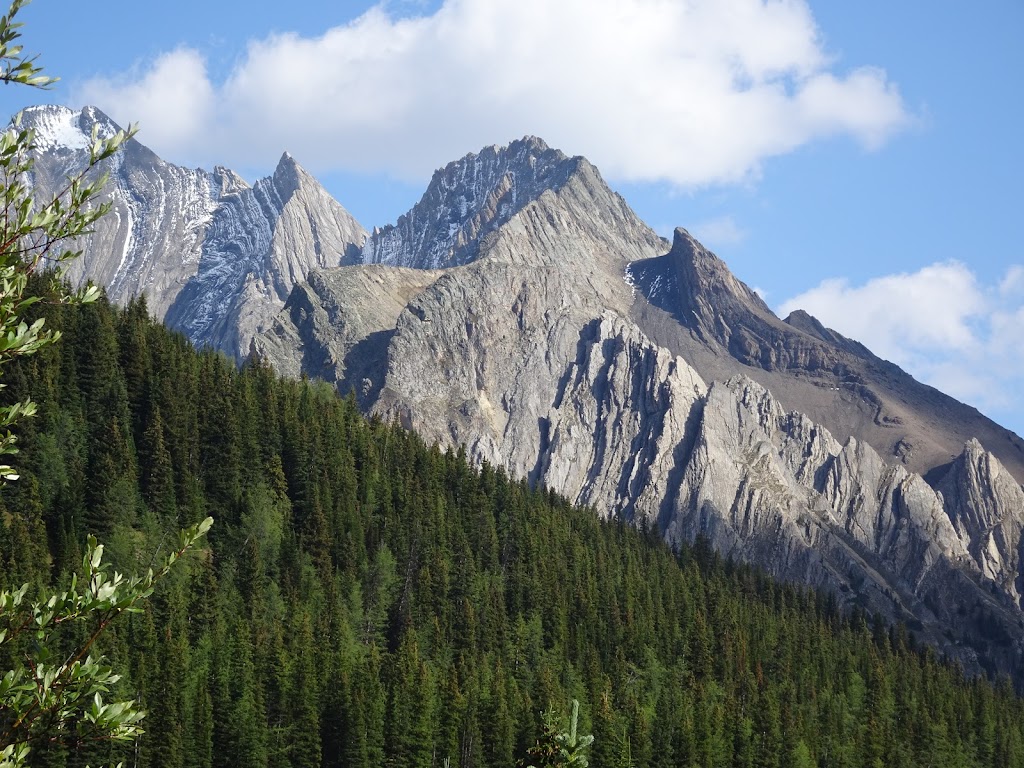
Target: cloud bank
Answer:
pixel 693 93
pixel 941 324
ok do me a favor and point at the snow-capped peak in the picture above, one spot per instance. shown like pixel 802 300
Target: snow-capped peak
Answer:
pixel 55 127
pixel 58 127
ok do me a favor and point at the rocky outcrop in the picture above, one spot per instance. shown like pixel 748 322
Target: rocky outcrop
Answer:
pixel 691 304
pixel 215 257
pixel 336 326
pixel 986 507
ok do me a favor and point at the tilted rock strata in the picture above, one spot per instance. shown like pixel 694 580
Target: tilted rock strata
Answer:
pixel 986 506
pixel 261 241
pixel 150 242
pixel 214 257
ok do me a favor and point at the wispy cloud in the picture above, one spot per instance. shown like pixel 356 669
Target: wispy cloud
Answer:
pixel 719 231
pixel 691 93
pixel 941 324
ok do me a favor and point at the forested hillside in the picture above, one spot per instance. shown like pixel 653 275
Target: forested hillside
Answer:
pixel 368 600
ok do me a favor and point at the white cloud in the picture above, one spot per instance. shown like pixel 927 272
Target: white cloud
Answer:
pixel 173 98
pixel 941 324
pixel 690 93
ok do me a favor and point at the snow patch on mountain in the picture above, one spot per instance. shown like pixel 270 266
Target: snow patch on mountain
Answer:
pixel 55 128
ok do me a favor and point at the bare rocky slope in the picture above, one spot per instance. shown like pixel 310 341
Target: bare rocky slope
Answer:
pixel 556 335
pixel 523 310
pixel 215 257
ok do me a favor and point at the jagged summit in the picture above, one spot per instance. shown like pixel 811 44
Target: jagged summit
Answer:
pixel 215 256
pixel 697 286
pixel 466 200
pixel 289 177
pixel 707 280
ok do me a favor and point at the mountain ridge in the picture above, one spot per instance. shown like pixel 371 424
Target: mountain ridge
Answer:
pixel 215 256
pixel 806 364
pixel 559 337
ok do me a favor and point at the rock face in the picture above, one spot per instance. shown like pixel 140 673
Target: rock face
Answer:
pixel 696 308
pixel 557 336
pixel 772 487
pixel 337 325
pixel 215 257
pixel 466 201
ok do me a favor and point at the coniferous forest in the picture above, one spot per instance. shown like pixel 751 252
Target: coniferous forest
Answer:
pixel 367 600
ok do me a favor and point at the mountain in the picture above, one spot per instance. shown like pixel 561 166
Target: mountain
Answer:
pixel 469 199
pixel 215 257
pixel 521 309
pixel 552 333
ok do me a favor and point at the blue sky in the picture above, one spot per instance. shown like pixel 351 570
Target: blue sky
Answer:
pixel 861 159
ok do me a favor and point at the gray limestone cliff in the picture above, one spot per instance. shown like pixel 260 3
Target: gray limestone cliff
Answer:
pixel 215 257
pixel 695 307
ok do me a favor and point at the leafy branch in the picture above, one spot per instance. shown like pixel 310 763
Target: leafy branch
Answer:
pixel 34 233
pixel 40 700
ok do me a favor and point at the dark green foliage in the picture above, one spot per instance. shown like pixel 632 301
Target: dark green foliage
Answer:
pixel 372 601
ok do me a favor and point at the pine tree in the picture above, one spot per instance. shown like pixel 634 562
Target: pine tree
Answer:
pixel 158 473
pixel 410 742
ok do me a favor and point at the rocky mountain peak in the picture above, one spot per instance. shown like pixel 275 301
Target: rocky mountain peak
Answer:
pixel 706 279
pixel 697 288
pixel 809 324
pixel 533 144
pixel 289 175
pixel 468 199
